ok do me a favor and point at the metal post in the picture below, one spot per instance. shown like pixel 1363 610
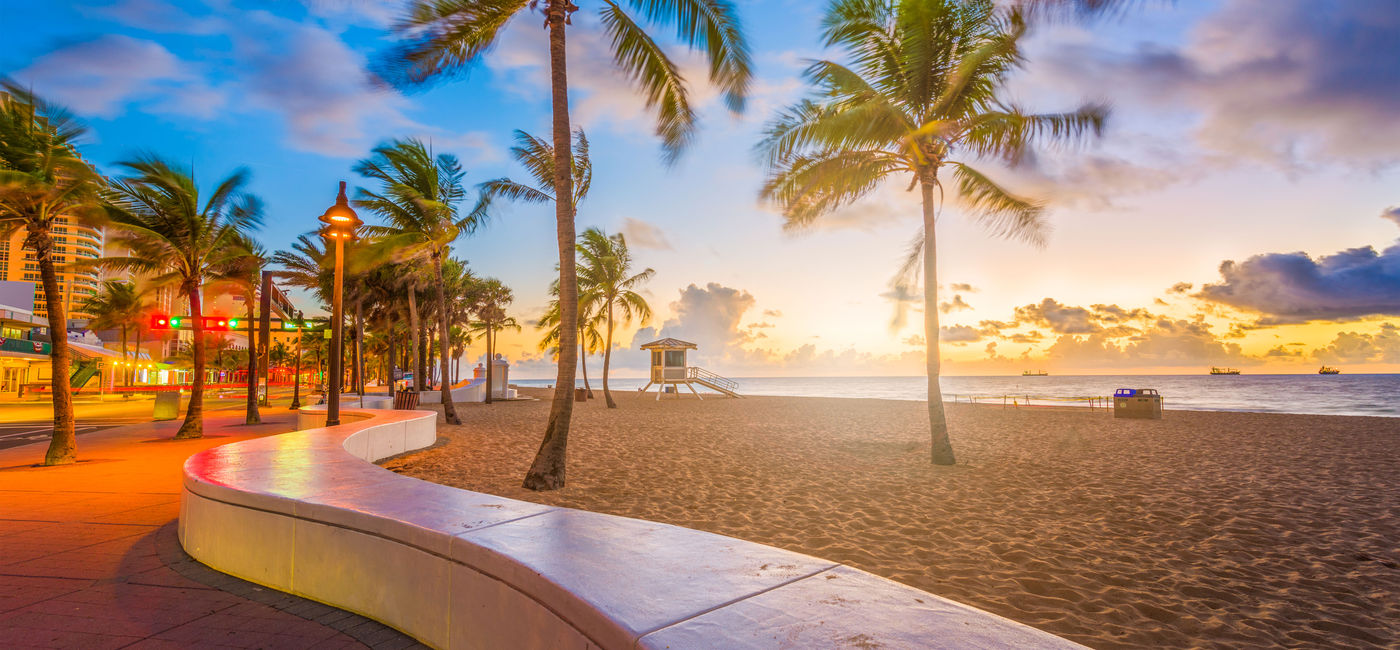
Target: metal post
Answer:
pixel 337 327
pixel 296 379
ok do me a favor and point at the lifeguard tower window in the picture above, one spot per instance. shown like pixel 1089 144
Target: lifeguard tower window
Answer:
pixel 656 358
pixel 675 358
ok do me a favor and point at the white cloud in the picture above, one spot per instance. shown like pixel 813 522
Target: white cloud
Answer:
pixel 101 76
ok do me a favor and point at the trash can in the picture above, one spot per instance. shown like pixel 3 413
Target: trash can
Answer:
pixel 406 400
pixel 167 406
pixel 1140 403
pixel 580 395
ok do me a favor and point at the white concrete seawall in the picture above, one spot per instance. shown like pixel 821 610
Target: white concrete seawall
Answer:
pixel 306 512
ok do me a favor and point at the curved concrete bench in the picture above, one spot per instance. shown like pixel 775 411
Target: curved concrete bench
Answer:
pixel 304 512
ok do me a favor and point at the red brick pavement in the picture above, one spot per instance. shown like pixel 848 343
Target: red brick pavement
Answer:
pixel 89 556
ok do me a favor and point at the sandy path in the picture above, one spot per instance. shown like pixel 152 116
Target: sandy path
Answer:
pixel 1203 529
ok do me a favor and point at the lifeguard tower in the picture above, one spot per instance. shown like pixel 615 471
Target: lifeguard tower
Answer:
pixel 669 367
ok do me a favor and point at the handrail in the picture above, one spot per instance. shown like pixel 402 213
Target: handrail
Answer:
pixel 702 374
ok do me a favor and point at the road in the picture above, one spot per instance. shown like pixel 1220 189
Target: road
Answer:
pixel 23 423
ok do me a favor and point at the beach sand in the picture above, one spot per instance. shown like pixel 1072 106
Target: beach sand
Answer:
pixel 1202 529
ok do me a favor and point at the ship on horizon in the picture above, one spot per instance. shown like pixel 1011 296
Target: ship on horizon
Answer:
pixel 1224 371
pixel 1329 370
pixel 1034 373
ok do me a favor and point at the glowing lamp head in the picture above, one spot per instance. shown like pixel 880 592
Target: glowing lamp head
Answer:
pixel 341 221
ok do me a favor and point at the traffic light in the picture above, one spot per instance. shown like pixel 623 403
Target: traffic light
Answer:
pixel 160 322
pixel 176 320
pixel 233 323
pixel 217 323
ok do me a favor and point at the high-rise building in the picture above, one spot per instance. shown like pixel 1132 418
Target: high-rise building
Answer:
pixel 72 242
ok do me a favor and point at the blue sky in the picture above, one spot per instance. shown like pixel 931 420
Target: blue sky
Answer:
pixel 1246 130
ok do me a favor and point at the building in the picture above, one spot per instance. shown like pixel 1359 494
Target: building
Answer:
pixel 72 242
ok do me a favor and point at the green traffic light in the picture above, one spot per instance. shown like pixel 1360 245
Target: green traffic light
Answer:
pixel 288 325
pixel 175 322
pixel 233 322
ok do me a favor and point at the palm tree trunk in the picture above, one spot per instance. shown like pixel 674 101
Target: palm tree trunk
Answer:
pixel 393 361
pixel 252 416
pixel 413 330
pixel 449 410
pixel 607 359
pixel 421 369
pixel 583 366
pixel 193 426
pixel 126 377
pixel 547 470
pixel 63 447
pixel 138 354
pixel 490 363
pixel 942 450
pixel 358 365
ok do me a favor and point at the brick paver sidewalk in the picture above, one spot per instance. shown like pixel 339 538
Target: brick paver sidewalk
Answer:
pixel 89 556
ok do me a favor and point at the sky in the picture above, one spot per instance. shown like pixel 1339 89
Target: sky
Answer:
pixel 1242 208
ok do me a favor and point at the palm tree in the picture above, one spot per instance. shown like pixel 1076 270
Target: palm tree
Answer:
pixel 446 37
pixel 44 180
pixel 921 96
pixel 491 318
pixel 172 236
pixel 418 196
pixel 590 340
pixel 536 155
pixel 607 286
pixel 117 305
pixel 245 277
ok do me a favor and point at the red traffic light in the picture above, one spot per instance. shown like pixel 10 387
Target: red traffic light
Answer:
pixel 160 322
pixel 216 323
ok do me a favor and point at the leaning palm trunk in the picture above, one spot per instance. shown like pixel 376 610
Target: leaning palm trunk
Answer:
pixel 413 340
pixel 449 410
pixel 193 427
pixel 63 447
pixel 360 343
pixel 583 368
pixel 942 449
pixel 607 360
pixel 252 416
pixel 547 470
pixel 490 363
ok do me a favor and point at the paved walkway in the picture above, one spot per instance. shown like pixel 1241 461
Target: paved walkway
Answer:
pixel 89 556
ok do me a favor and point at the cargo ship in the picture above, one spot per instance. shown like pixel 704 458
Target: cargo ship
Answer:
pixel 1034 373
pixel 1329 370
pixel 1223 371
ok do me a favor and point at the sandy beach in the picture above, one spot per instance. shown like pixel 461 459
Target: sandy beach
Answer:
pixel 1202 529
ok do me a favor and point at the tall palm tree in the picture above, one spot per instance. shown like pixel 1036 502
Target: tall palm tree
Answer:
pixel 245 278
pixel 536 155
pixel 43 179
pixel 117 305
pixel 446 37
pixel 491 317
pixel 921 96
pixel 607 283
pixel 590 340
pixel 417 197
pixel 175 238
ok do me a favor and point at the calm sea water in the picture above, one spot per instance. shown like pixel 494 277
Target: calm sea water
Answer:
pixel 1319 394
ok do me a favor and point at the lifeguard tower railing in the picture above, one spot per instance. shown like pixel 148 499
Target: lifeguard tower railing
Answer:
pixel 707 378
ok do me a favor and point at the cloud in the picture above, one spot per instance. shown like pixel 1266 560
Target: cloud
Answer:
pixel 1286 81
pixel 100 77
pixel 959 334
pixel 708 317
pixel 956 304
pixel 318 84
pixel 1381 347
pixel 1293 287
pixel 157 16
pixel 1166 343
pixel 1061 319
pixel 1392 214
pixel 916 340
pixel 772 313
pixel 1181 287
pixel 963 287
pixel 642 234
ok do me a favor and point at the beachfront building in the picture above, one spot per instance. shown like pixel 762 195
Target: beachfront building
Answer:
pixel 669 368
pixel 72 242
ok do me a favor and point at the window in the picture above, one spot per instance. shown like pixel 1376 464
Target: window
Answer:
pixel 675 358
pixel 655 357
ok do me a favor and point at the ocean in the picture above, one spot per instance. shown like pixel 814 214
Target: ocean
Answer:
pixel 1377 395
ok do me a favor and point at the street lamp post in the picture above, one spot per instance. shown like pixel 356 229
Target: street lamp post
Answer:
pixel 341 225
